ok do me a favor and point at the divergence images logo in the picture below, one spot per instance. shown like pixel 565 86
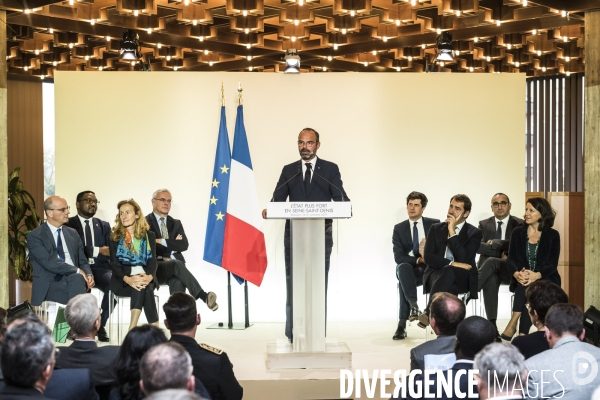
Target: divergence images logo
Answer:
pixel 585 368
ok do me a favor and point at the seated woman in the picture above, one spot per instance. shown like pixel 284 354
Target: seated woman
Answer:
pixel 132 250
pixel 541 295
pixel 127 364
pixel 532 256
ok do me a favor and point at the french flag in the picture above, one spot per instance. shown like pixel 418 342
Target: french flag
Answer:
pixel 244 250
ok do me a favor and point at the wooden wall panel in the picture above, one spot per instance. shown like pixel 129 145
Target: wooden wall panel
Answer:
pixel 25 139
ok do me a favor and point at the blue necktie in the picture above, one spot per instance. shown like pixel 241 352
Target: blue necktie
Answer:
pixel 499 231
pixel 415 240
pixel 89 248
pixel 59 247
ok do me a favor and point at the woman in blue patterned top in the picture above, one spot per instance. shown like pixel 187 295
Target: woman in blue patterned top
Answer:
pixel 532 255
pixel 133 260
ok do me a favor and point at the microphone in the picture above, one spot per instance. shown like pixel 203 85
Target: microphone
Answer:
pixel 341 191
pixel 286 182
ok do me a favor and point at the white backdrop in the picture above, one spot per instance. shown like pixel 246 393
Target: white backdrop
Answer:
pixel 125 134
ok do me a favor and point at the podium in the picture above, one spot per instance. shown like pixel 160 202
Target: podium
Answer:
pixel 309 348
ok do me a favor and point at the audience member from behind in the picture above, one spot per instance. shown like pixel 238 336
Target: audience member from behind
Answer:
pixel 164 357
pixel 567 373
pixel 83 316
pixel 3 320
pixel 27 359
pixel 532 255
pixel 502 373
pixel 541 295
pixel 211 365
pixel 127 365
pixel 174 394
pixel 447 311
pixel 132 249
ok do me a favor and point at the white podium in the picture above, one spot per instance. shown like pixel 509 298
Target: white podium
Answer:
pixel 309 349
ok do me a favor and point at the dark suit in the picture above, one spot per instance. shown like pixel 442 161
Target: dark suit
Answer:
pixel 492 268
pixel 174 272
pixel 87 354
pixel 325 185
pixel 546 263
pixel 408 272
pixel 71 384
pixel 101 266
pixel 139 299
pixel 18 393
pixel 53 279
pixel 443 344
pixel 439 275
pixel 215 371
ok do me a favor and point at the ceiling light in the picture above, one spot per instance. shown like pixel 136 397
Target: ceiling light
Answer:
pixel 99 68
pixel 352 12
pixel 471 69
pixel 397 22
pixel 568 73
pixel 458 13
pixel 567 58
pixel 398 69
pixel 438 31
pixel 457 52
pixel 300 2
pixel 366 64
pixel 539 52
pixel 344 31
pixel 36 52
pixel 517 64
pixel 92 21
pixel 413 2
pixel 168 58
pixel 292 62
pixel 210 63
pixel 488 58
pixel 534 32
pixel 329 58
pixel 442 64
pixel 565 39
pixel 498 22
pixel 335 46
pixel 54 63
pixel 158 45
pixel 543 69
pixel 195 22
pixel 293 38
pixel 325 69
pixel 524 3
pixel 509 46
pixel 130 45
pixel 444 47
pixel 249 58
pixel 175 68
pixel 296 22
pixel 133 63
pixel 476 39
pixel 52 30
pixel 186 2
pixel 245 13
pixel 385 38
pixel 25 69
pixel 250 69
pixel 108 38
pixel 563 13
pixel 374 52
pixel 71 2
pixel 409 58
pixel 149 30
pixel 136 13
pixel 206 52
pixel 27 11
pixel 86 58
pixel 201 38
pixel 246 31
pixel 248 45
pixel 423 46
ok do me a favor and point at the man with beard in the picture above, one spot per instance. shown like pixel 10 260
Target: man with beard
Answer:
pixel 94 235
pixel 309 179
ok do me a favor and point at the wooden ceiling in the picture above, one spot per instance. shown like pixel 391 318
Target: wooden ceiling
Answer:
pixel 543 37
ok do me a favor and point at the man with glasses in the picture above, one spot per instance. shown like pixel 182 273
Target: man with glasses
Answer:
pixel 309 179
pixel 171 242
pixel 94 234
pixel 60 267
pixel 493 252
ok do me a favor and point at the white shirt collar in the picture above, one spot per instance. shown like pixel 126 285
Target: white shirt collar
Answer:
pixel 459 226
pixel 504 221
pixel 419 221
pixel 53 229
pixel 84 219
pixel 313 162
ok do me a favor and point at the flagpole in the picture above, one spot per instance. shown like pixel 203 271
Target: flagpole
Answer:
pixel 230 312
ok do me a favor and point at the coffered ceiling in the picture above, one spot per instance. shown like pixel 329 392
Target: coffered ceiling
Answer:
pixel 544 37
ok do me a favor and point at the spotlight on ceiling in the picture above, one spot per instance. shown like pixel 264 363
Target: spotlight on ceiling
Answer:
pixel 130 45
pixel 444 47
pixel 292 62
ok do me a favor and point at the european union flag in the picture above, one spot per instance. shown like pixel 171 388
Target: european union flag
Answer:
pixel 217 209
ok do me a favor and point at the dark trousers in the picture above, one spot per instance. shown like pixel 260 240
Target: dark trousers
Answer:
pixel 448 279
pixel 102 280
pixel 68 287
pixel 492 274
pixel 409 278
pixel 142 299
pixel 175 274
pixel 289 286
pixel 519 306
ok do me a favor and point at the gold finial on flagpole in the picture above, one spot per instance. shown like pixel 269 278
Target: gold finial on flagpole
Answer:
pixel 222 95
pixel 240 93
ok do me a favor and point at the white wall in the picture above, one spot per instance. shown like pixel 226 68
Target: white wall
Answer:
pixel 126 134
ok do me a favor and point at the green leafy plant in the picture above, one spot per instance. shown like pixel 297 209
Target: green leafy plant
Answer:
pixel 22 218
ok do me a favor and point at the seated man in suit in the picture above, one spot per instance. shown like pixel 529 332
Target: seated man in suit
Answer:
pixel 450 254
pixel 500 359
pixel 493 250
pixel 447 311
pixel 172 241
pixel 568 367
pixel 94 233
pixel 211 365
pixel 169 356
pixel 83 318
pixel 27 358
pixel 60 267
pixel 409 242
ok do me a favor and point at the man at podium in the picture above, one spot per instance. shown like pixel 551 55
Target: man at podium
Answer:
pixel 308 179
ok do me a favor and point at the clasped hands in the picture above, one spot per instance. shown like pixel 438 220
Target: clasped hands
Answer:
pixel 138 282
pixel 89 279
pixel 526 277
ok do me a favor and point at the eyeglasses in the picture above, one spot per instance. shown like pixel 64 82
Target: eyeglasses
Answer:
pixel 62 210
pixel 307 144
pixel 501 204
pixel 90 201
pixel 168 201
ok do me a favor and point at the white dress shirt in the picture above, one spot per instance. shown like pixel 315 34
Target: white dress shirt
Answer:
pixel 420 231
pixel 313 162
pixel 91 222
pixel 503 226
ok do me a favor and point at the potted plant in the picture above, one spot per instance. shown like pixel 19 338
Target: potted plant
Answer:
pixel 22 218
